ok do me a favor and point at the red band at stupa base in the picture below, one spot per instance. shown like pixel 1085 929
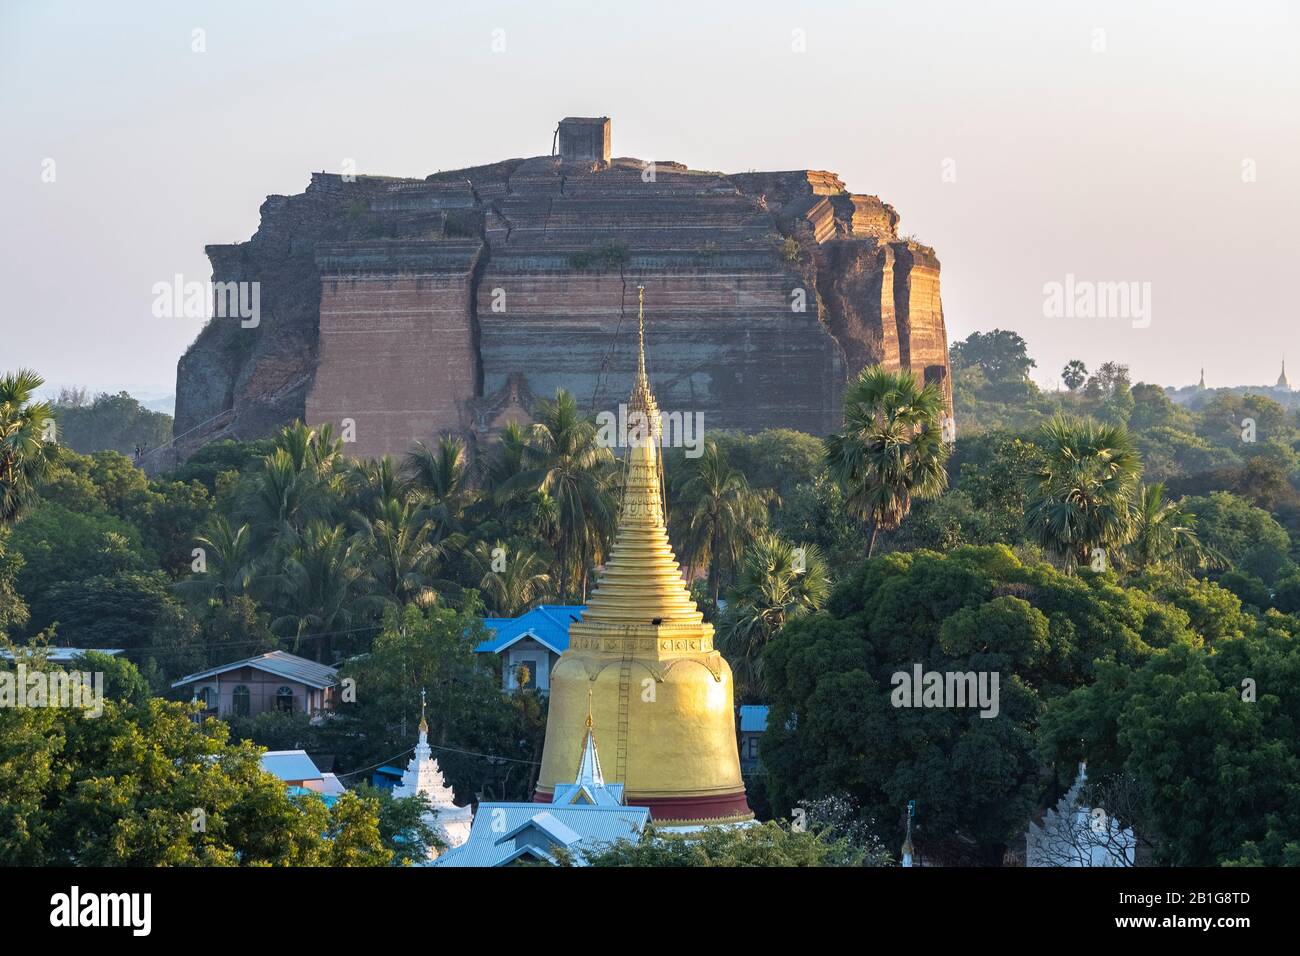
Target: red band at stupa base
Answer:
pixel 692 809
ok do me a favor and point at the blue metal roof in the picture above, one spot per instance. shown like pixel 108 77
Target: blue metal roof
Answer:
pixel 546 623
pixel 753 718
pixel 290 765
pixel 329 799
pixel 503 832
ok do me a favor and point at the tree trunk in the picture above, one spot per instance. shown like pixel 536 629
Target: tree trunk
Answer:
pixel 715 572
pixel 871 543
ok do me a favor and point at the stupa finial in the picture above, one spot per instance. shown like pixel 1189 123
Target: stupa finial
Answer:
pixel 424 724
pixel 643 401
pixel 640 332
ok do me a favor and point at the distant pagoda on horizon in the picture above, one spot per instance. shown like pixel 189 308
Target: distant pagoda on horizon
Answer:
pixel 642 662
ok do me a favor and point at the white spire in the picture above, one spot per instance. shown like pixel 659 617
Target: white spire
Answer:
pixel 423 776
pixel 589 772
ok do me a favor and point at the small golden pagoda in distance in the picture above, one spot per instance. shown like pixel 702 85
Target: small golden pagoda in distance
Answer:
pixel 644 657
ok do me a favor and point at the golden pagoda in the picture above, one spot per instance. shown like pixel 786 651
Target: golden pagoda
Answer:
pixel 642 659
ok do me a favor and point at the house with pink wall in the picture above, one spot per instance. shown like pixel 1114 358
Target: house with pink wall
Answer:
pixel 273 681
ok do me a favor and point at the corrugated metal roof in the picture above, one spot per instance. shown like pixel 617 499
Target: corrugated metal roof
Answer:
pixel 290 765
pixel 280 663
pixel 502 832
pixel 753 718
pixel 546 623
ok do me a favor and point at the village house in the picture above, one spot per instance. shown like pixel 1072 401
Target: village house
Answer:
pixel 273 681
pixel 529 645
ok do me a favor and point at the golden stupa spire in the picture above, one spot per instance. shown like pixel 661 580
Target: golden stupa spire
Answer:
pixel 643 400
pixel 424 724
pixel 642 582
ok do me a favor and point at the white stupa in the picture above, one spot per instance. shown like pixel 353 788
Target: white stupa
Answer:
pixel 1075 835
pixel 422 775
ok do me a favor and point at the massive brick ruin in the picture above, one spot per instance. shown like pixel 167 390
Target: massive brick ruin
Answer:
pixel 453 303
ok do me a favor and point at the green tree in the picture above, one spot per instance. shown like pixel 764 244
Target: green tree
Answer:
pixel 432 649
pixel 27 453
pixel 402 824
pixel 13 610
pixel 109 422
pixel 1001 354
pixel 765 844
pixel 721 515
pixel 778 582
pixel 228 558
pixel 831 676
pixel 890 450
pixel 144 784
pixel 1247 538
pixel 1216 770
pixel 60 545
pixel 318 585
pixel 520 582
pixel 403 560
pixel 1081 493
pixel 1163 534
pixel 564 460
pixel 115 610
pixel 1074 374
pixel 441 479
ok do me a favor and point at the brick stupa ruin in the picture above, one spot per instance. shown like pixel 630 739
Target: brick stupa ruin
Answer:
pixel 453 303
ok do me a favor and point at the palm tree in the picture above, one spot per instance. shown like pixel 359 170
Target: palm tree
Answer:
pixel 282 500
pixel 508 458
pixel 441 479
pixel 564 460
pixel 313 449
pixel 319 585
pixel 1164 535
pixel 227 552
pixel 26 457
pixel 521 582
pixel 891 450
pixel 778 583
pixel 1080 496
pixel 721 516
pixel 372 482
pixel 403 559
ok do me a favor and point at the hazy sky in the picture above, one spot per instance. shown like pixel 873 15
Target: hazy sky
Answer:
pixel 1110 141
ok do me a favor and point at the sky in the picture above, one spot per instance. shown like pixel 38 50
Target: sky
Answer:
pixel 1129 142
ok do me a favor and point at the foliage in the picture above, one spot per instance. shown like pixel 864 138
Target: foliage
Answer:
pixel 1218 767
pixel 143 784
pixel 833 728
pixel 1001 355
pixel 432 650
pixel 779 582
pixel 109 422
pixel 1247 537
pixel 890 450
pixel 764 844
pixel 720 514
pixel 1081 492
pixel 27 451
pixel 564 461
